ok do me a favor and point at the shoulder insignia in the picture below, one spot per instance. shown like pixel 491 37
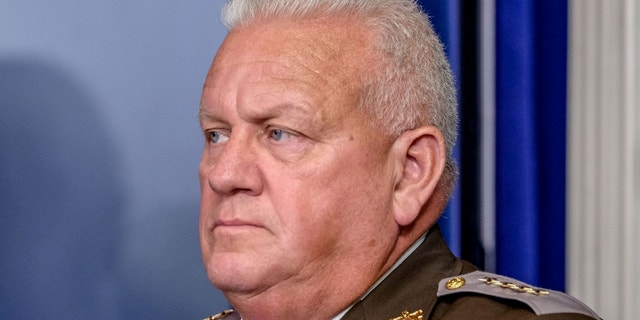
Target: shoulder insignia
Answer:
pixel 227 315
pixel 541 301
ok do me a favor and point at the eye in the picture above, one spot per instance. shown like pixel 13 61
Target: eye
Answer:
pixel 279 134
pixel 217 137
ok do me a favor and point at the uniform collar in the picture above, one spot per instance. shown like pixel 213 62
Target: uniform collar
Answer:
pixel 413 284
pixel 402 258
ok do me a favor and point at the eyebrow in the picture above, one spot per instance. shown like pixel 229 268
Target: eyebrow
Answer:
pixel 287 108
pixel 297 110
pixel 203 113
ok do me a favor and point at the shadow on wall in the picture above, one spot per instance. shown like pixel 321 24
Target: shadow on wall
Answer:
pixel 60 198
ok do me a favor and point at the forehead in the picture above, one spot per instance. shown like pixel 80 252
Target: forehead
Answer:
pixel 314 56
pixel 328 43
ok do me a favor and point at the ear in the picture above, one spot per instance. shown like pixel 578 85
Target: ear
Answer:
pixel 420 160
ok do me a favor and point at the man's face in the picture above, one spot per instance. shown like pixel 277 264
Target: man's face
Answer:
pixel 296 188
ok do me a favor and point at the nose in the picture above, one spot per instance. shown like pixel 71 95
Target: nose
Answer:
pixel 232 168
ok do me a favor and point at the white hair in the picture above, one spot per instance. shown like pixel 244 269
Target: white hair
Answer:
pixel 411 87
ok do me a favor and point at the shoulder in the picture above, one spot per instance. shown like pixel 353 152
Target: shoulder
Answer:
pixel 226 315
pixel 506 295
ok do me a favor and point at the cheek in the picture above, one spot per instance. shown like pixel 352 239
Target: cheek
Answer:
pixel 204 235
pixel 337 225
pixel 337 202
pixel 205 224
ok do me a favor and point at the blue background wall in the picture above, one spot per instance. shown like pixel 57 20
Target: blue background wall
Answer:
pixel 99 147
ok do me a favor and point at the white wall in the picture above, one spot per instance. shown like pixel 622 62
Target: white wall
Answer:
pixel 604 158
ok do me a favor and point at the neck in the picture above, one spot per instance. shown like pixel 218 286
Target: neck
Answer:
pixel 303 298
pixel 300 300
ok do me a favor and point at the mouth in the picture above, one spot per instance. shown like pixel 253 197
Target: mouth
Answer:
pixel 234 224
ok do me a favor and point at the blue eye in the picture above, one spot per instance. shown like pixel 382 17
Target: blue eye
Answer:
pixel 217 137
pixel 214 136
pixel 276 134
pixel 279 134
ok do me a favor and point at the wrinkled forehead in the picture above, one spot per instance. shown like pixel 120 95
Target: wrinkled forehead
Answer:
pixel 265 64
pixel 336 48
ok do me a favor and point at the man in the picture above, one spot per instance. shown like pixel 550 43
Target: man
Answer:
pixel 329 126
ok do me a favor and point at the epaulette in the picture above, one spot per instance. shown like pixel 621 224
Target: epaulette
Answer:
pixel 541 301
pixel 227 315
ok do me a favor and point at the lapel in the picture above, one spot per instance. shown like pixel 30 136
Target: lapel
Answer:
pixel 413 285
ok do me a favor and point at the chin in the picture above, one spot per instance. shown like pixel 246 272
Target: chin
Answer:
pixel 235 284
pixel 227 274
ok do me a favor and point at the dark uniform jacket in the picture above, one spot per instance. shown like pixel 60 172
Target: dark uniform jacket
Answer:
pixel 433 284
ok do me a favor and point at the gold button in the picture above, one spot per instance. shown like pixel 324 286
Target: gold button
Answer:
pixel 455 283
